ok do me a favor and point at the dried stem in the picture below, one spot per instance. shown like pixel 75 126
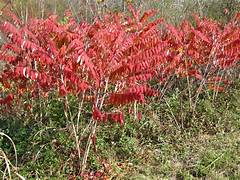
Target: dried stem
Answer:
pixel 93 127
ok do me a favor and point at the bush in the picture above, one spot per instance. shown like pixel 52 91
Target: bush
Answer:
pixel 77 76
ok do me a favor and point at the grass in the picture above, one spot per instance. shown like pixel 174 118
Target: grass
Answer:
pixel 204 156
pixel 156 148
pixel 207 145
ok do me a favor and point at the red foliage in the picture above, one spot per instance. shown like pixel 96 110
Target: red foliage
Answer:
pixel 112 60
pixel 91 59
pixel 203 51
pixel 7 100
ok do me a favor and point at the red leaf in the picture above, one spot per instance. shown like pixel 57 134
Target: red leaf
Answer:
pixel 175 32
pixel 7 100
pixel 62 91
pixel 216 88
pixel 202 36
pixel 139 116
pixel 147 15
pixel 97 115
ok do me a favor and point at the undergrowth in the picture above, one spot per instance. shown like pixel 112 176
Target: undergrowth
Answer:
pixel 205 145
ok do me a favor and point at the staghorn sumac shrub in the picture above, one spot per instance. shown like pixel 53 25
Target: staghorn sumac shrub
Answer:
pixel 207 51
pixel 106 63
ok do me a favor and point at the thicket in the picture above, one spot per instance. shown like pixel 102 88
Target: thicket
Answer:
pixel 90 74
